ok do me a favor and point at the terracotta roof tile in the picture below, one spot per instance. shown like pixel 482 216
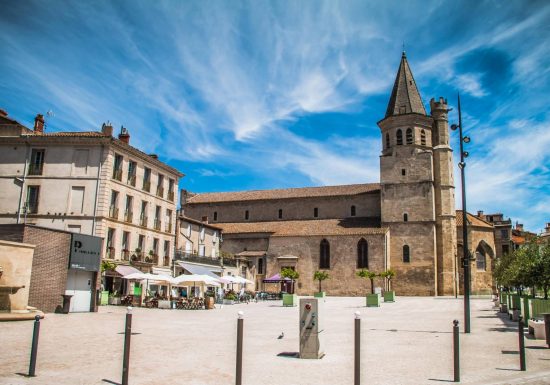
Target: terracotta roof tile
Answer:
pixel 472 219
pixel 350 226
pixel 304 192
pixel 76 134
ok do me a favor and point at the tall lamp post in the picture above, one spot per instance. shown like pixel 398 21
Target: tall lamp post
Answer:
pixel 465 256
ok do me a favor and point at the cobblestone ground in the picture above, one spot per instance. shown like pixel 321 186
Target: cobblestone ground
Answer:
pixel 406 342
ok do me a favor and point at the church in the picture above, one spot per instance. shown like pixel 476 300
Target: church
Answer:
pixel 406 222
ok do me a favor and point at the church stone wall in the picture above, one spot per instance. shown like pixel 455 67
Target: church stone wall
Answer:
pixel 481 281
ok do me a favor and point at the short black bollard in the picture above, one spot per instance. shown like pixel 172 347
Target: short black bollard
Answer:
pixel 456 350
pixel 521 336
pixel 239 368
pixel 357 363
pixel 127 337
pixel 34 347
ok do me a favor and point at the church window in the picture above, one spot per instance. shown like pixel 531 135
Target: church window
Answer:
pixel 362 254
pixel 481 262
pixel 405 217
pixel 409 136
pixel 324 255
pixel 387 140
pixel 246 215
pixel 423 138
pixel 315 212
pixel 215 215
pixel 399 137
pixel 406 254
pixel 280 213
pixel 352 211
pixel 403 171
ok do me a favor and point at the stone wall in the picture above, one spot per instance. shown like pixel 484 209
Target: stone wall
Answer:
pixel 16 262
pixel 481 281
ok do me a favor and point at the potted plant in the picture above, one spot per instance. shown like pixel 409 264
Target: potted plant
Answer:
pixel 105 266
pixel 290 299
pixel 320 276
pixel 389 295
pixel 373 300
pixel 229 298
pixel 114 298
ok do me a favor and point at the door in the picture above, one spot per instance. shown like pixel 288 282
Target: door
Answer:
pixel 79 285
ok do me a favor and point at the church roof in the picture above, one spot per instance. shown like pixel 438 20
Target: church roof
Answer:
pixel 311 227
pixel 472 220
pixel 304 192
pixel 405 98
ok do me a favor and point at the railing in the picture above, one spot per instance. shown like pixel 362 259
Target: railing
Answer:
pixel 35 169
pixel 111 252
pixel 113 212
pixel 160 191
pixel 117 174
pixel 168 227
pixel 128 216
pixel 125 255
pixel 146 185
pixel 132 180
pixel 171 196
pixel 166 260
pixel 156 224
pixel 191 257
pixel 143 221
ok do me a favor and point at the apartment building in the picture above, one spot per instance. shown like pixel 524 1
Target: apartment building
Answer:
pixel 90 183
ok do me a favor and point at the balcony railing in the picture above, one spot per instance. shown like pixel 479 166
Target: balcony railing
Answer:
pixel 143 221
pixel 35 169
pixel 168 227
pixel 166 260
pixel 113 212
pixel 192 257
pixel 132 180
pixel 146 185
pixel 128 216
pixel 156 224
pixel 170 195
pixel 160 191
pixel 111 252
pixel 117 174
pixel 125 255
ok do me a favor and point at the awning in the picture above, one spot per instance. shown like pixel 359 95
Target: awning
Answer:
pixel 126 270
pixel 197 269
pixel 275 278
pixel 251 253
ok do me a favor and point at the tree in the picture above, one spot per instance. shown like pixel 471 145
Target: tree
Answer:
pixel 388 275
pixel 287 272
pixel 107 265
pixel 371 275
pixel 320 276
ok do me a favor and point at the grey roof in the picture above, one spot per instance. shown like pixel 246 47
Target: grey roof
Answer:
pixel 405 98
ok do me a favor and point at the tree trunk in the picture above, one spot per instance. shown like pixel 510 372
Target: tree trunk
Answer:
pixel 545 292
pixel 372 286
pixel 319 286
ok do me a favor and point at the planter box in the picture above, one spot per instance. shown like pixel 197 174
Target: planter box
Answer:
pixel 104 299
pixel 537 328
pixel 165 304
pixel 373 300
pixel 525 308
pixel 114 300
pixel 290 300
pixel 389 296
pixel 538 306
pixel 320 294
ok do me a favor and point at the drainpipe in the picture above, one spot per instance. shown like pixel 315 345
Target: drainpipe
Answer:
pixel 97 188
pixel 23 181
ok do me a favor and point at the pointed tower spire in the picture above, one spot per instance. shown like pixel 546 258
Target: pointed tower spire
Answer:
pixel 405 98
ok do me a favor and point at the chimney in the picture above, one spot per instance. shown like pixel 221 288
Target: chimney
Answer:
pixel 3 112
pixel 124 135
pixel 39 124
pixel 183 197
pixel 107 129
pixel 204 219
pixel 519 226
pixel 480 214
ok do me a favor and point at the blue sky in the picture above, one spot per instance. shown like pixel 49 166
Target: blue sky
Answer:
pixel 270 94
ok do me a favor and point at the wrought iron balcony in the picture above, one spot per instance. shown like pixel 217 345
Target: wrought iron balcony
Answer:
pixel 35 169
pixel 128 216
pixel 132 180
pixel 156 224
pixel 160 191
pixel 191 257
pixel 171 195
pixel 113 212
pixel 143 221
pixel 146 185
pixel 117 174
pixel 168 227
pixel 125 255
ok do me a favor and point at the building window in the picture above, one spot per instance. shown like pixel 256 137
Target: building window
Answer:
pixel 168 221
pixel 33 193
pixel 157 218
pixel 504 233
pixel 129 210
pixel 171 193
pixel 324 255
pixel 146 179
pixel 403 172
pixel 155 246
pixel 405 217
pixel 125 245
pixel 110 247
pixel 481 262
pixel 315 212
pixel 81 156
pixel 77 200
pixel 362 254
pixel 246 215
pixel 132 166
pixel 280 213
pixel 202 233
pixel 113 208
pixel 166 253
pixel 260 265
pixel 399 137
pixel 352 211
pixel 387 140
pixel 117 167
pixel 409 136
pixel 37 162
pixel 406 254
pixel 423 138
pixel 143 214
pixel 141 245
pixel 215 215
pixel 160 186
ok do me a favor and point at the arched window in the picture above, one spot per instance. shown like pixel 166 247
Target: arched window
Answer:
pixel 280 213
pixel 399 137
pixel 481 260
pixel 406 254
pixel 315 212
pixel 362 254
pixel 352 211
pixel 405 217
pixel 423 137
pixel 409 136
pixel 324 255
pixel 246 215
pixel 387 140
pixel 215 215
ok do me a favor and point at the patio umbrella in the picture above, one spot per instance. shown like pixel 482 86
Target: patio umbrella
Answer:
pixel 195 278
pixel 150 277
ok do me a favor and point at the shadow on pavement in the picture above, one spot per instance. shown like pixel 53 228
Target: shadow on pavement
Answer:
pixel 413 331
pixel 110 382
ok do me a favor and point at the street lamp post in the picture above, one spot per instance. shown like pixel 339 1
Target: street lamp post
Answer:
pixel 466 256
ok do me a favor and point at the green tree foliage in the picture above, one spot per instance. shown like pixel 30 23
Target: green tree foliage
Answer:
pixel 320 276
pixel 107 265
pixel 370 275
pixel 388 275
pixel 287 272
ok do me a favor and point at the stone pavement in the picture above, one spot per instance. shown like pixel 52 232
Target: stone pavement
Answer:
pixel 407 342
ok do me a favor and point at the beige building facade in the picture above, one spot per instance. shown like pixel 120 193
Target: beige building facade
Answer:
pixel 90 183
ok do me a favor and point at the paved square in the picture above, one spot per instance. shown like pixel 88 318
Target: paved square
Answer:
pixel 407 342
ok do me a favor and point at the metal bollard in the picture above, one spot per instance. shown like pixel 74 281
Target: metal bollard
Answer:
pixel 521 344
pixel 357 363
pixel 239 368
pixel 34 346
pixel 456 351
pixel 127 337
